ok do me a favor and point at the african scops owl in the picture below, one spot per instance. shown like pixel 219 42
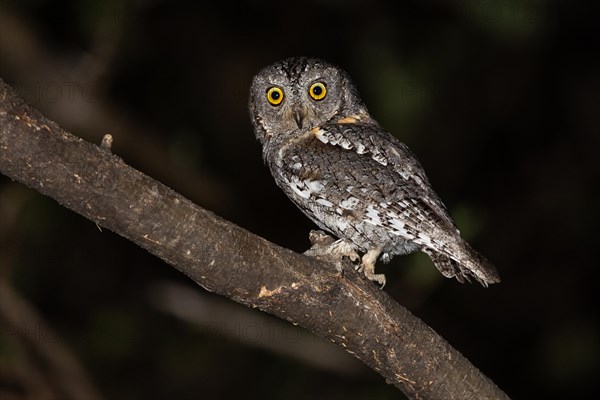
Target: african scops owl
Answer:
pixel 350 176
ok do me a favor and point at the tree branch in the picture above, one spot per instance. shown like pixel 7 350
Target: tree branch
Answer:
pixel 226 259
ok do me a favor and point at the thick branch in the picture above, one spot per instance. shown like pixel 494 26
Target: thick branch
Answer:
pixel 226 259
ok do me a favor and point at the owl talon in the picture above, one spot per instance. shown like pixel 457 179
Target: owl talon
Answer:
pixel 344 249
pixel 368 267
pixel 319 238
pixel 372 276
pixel 379 278
pixel 325 245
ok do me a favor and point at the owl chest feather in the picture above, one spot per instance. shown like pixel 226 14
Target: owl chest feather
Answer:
pixel 345 193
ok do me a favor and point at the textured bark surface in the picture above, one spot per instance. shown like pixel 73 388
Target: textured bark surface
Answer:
pixel 226 259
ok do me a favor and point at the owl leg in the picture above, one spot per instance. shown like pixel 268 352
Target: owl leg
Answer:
pixel 368 266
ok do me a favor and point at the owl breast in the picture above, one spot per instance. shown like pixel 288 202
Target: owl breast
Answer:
pixel 345 193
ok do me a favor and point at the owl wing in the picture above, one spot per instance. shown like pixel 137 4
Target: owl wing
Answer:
pixel 369 140
pixel 392 185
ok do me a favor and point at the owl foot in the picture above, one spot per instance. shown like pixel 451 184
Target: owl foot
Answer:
pixel 367 266
pixel 324 245
pixel 319 239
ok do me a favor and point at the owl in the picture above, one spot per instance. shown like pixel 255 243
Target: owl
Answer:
pixel 351 177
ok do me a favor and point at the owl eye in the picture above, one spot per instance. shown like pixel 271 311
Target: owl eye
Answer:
pixel 275 95
pixel 317 91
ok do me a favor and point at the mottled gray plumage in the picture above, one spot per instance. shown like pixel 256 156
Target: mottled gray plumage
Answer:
pixel 350 176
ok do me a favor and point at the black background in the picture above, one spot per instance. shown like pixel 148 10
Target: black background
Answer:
pixel 500 101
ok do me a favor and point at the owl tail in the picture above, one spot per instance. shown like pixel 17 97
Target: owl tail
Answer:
pixel 471 265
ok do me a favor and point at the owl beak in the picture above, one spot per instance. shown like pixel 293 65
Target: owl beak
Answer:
pixel 299 115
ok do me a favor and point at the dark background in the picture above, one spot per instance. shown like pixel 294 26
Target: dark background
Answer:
pixel 500 100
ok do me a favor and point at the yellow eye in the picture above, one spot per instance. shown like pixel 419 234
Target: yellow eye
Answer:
pixel 317 91
pixel 275 95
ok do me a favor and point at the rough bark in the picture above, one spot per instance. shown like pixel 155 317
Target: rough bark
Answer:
pixel 226 259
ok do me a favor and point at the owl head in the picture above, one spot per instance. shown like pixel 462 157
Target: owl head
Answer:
pixel 297 94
